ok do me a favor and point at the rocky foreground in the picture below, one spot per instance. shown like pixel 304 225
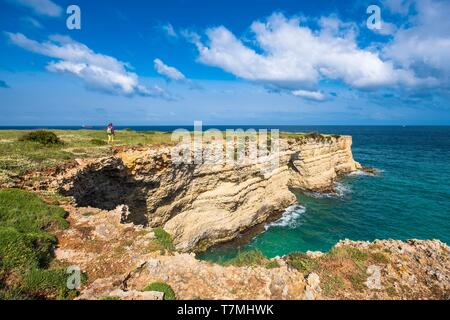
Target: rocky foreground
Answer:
pixel 136 218
pixel 121 259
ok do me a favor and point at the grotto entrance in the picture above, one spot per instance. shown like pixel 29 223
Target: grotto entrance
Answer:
pixel 108 186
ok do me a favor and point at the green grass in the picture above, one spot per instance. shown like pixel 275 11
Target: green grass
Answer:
pixel 342 268
pixel 169 294
pixel 18 157
pixel 45 283
pixel 26 247
pixel 164 239
pixel 27 213
pixel 331 283
pixel 272 265
pixel 302 262
pixel 250 258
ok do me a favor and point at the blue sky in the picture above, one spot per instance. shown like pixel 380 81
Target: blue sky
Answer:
pixel 224 62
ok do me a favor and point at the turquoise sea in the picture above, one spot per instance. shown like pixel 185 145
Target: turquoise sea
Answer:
pixel 409 199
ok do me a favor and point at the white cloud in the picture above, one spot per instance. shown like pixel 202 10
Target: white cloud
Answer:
pixel 386 29
pixel 41 7
pixel 97 71
pixel 168 71
pixel 310 95
pixel 292 57
pixel 397 6
pixel 423 44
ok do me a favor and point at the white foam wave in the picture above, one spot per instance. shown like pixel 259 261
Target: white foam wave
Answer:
pixel 359 173
pixel 289 217
pixel 340 190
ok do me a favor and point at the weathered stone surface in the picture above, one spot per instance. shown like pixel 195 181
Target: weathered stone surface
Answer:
pixel 313 290
pixel 119 263
pixel 204 204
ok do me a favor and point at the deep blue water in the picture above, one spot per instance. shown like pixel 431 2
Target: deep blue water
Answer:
pixel 409 199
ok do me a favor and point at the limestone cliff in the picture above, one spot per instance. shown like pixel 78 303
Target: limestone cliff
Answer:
pixel 202 205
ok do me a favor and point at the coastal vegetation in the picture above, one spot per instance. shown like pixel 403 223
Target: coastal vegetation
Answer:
pixel 342 268
pixel 41 136
pixel 26 151
pixel 163 287
pixel 163 240
pixel 27 266
pixel 252 258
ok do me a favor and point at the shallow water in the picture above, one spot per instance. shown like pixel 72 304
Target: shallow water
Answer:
pixel 410 198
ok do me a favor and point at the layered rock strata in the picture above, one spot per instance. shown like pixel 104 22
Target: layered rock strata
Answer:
pixel 204 204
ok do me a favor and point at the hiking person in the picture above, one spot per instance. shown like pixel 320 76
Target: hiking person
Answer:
pixel 111 133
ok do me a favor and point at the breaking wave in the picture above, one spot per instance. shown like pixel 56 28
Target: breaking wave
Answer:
pixel 340 190
pixel 289 217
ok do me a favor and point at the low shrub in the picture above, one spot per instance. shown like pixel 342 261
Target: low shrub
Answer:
pixel 248 258
pixel 302 262
pixel 169 294
pixel 164 239
pixel 41 136
pixel 98 142
pixel 314 136
pixel 272 265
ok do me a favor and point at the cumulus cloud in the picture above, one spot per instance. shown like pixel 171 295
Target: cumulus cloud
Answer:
pixel 310 95
pixel 423 44
pixel 168 71
pixel 97 71
pixel 293 57
pixel 41 7
pixel 4 85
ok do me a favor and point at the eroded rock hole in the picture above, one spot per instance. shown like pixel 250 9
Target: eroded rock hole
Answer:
pixel 108 187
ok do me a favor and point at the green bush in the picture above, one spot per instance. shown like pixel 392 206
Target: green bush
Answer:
pixel 41 136
pixel 169 294
pixel 248 258
pixel 272 265
pixel 314 136
pixel 98 142
pixel 302 262
pixel 164 239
